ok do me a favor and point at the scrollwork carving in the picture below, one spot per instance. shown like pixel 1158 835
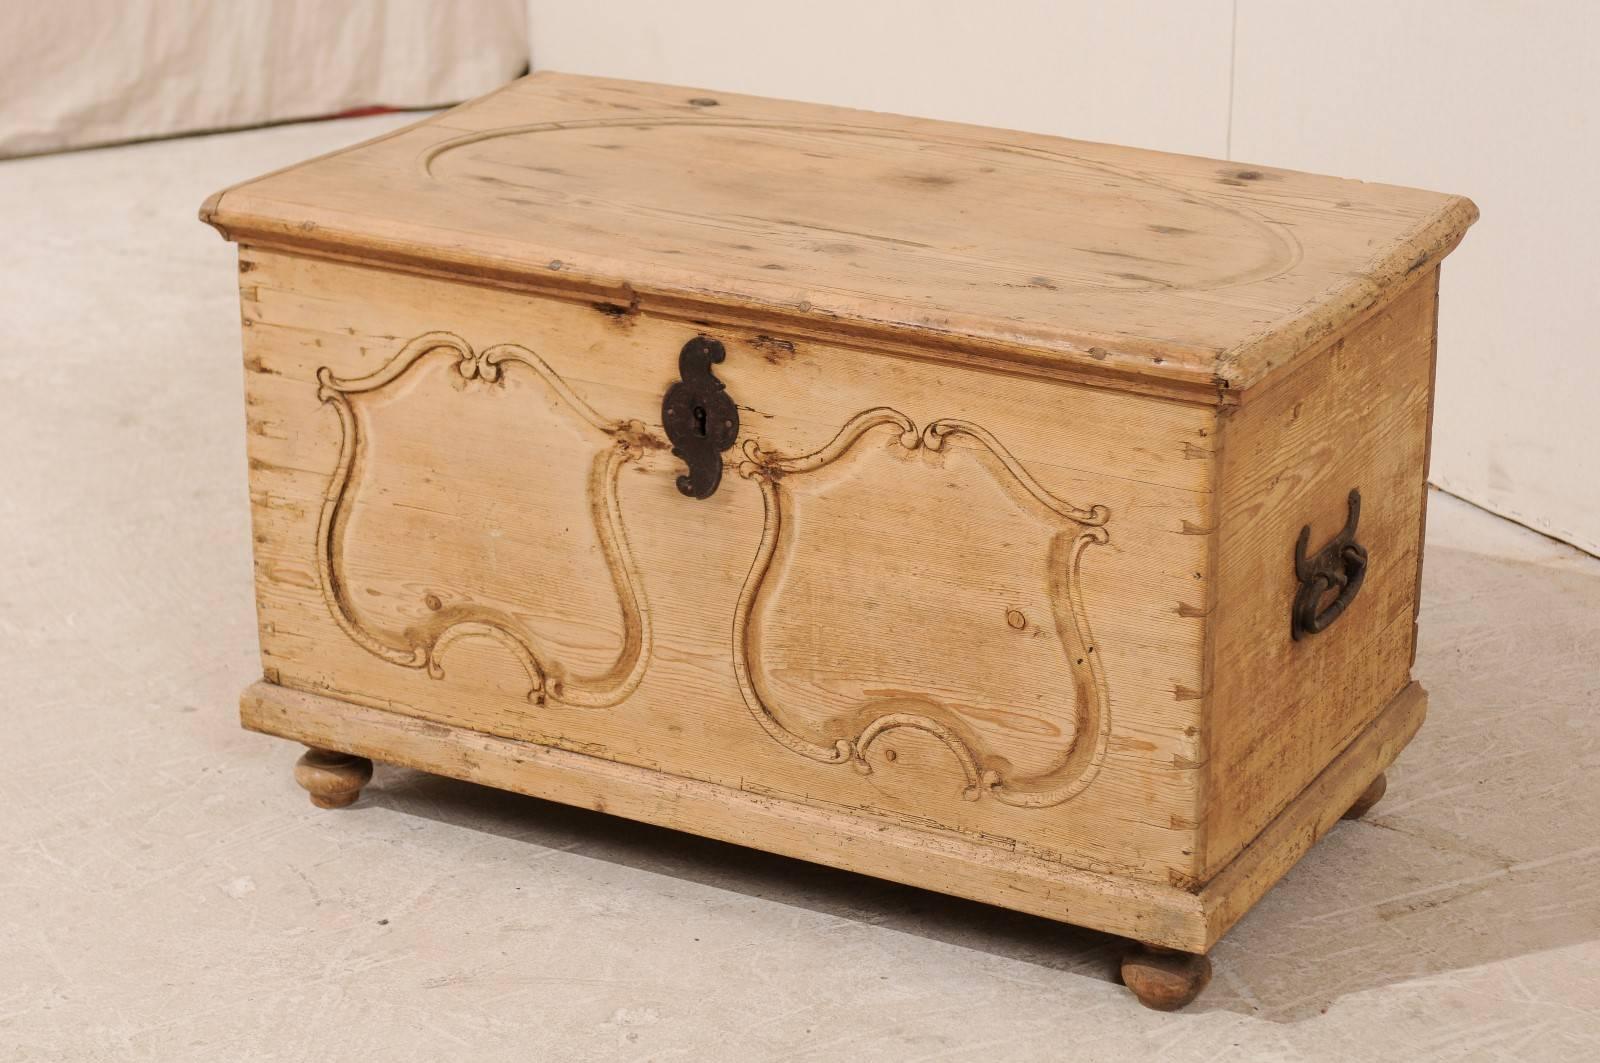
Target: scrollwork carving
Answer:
pixel 425 646
pixel 1077 765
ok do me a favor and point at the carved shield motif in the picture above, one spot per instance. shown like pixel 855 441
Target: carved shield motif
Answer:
pixel 420 545
pixel 963 622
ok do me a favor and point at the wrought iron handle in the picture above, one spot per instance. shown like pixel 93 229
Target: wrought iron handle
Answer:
pixel 1341 566
pixel 699 417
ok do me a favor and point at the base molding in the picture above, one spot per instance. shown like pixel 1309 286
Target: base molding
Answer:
pixel 1155 914
pixel 1235 889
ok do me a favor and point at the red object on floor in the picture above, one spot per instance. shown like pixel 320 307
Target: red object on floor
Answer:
pixel 361 112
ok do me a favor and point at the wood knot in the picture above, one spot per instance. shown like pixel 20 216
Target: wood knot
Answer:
pixel 636 440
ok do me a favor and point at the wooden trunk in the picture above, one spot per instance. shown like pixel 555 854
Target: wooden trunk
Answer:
pixel 915 498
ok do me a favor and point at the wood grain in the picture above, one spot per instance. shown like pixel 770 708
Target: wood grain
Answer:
pixel 1025 590
pixel 1353 415
pixel 992 592
pixel 1050 255
pixel 1314 811
pixel 1153 913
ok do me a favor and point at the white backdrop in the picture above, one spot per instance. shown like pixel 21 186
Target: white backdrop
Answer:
pixel 1501 102
pixel 1492 100
pixel 80 72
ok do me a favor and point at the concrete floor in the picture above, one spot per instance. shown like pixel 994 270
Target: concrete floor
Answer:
pixel 167 893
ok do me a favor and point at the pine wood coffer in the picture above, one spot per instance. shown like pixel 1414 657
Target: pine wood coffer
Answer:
pixel 1032 520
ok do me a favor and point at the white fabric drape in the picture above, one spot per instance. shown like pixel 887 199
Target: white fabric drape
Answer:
pixel 83 72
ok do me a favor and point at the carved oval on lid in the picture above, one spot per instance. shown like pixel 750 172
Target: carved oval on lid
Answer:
pixel 774 201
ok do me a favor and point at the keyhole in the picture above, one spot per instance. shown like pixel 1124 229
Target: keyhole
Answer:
pixel 700 421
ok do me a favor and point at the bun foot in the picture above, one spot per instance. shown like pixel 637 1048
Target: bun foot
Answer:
pixel 1162 979
pixel 334 780
pixel 1369 797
